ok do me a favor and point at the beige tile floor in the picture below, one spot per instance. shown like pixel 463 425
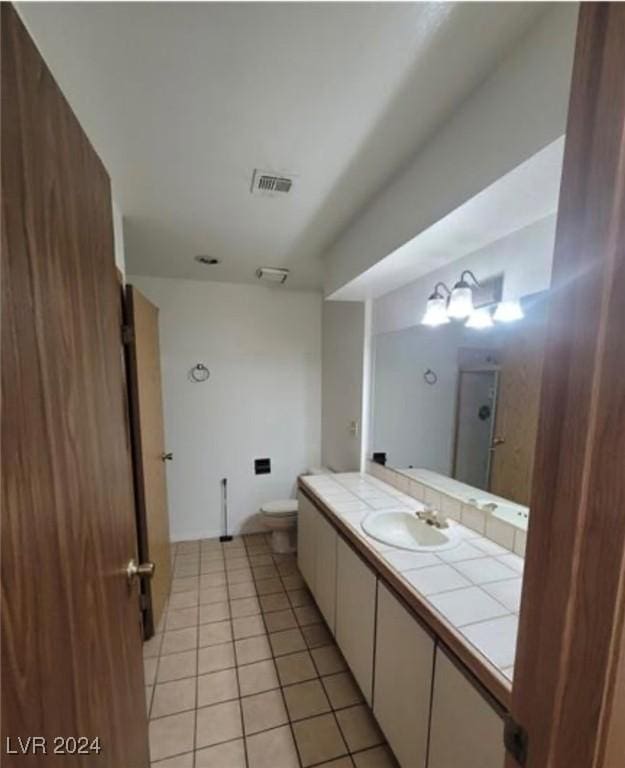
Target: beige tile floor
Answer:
pixel 243 673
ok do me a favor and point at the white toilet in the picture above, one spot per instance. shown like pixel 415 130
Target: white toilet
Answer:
pixel 281 518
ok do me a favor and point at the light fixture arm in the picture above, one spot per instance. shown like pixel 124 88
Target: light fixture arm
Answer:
pixel 436 294
pixel 471 275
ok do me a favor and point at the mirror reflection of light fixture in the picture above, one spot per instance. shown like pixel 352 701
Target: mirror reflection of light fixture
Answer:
pixel 436 309
pixel 461 299
pixel 480 319
pixel 508 311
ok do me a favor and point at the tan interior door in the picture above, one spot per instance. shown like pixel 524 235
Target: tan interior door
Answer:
pixel 71 630
pixel 150 451
pixel 516 418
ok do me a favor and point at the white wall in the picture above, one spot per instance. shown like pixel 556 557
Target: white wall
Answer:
pixel 518 110
pixel 263 399
pixel 118 237
pixel 525 257
pixel 342 377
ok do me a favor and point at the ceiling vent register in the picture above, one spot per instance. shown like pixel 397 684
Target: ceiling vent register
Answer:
pixel 270 184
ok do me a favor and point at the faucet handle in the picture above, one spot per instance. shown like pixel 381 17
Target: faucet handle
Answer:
pixel 441 520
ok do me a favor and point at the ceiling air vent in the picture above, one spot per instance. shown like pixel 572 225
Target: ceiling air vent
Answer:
pixel 270 184
pixel 272 274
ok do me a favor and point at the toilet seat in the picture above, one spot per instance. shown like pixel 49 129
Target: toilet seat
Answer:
pixel 281 508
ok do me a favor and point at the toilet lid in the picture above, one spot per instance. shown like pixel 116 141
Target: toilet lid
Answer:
pixel 282 507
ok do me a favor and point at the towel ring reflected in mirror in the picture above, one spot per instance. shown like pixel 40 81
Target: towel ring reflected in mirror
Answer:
pixel 199 373
pixel 430 377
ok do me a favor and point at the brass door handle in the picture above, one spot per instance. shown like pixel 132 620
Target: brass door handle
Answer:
pixel 167 456
pixel 137 571
pixel 498 441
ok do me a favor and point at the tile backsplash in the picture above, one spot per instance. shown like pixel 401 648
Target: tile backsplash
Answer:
pixel 504 534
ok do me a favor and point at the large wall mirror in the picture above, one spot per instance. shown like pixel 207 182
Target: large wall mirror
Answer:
pixel 459 399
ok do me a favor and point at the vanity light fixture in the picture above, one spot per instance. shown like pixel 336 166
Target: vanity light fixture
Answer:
pixel 436 309
pixel 461 299
pixel 508 312
pixel 480 319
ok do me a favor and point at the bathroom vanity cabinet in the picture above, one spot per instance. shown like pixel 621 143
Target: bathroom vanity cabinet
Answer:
pixel 325 576
pixel 307 540
pixel 432 713
pixel 404 664
pixel 355 615
pixel 465 729
pixel 316 558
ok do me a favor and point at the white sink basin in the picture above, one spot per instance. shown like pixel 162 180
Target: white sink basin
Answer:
pixel 406 531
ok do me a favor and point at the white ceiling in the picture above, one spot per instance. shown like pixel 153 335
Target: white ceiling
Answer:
pixel 523 196
pixel 183 101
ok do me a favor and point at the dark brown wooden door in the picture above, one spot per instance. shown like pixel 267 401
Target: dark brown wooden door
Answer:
pixel 71 640
pixel 569 677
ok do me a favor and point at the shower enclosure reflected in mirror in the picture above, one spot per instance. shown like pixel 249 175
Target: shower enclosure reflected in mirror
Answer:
pixel 476 407
pixel 475 421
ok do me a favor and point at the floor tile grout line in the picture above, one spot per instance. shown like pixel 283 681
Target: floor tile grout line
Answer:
pixel 284 704
pixel 312 765
pixel 197 681
pixel 236 668
pixel 333 710
pixel 279 682
pixel 161 760
pixel 336 720
pixel 297 748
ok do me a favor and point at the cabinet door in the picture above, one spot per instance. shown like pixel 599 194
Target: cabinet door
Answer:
pixel 465 729
pixel 355 614
pixel 306 539
pixel 325 574
pixel 404 661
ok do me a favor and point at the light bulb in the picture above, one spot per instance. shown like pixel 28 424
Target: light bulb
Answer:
pixel 508 312
pixel 460 302
pixel 436 311
pixel 480 319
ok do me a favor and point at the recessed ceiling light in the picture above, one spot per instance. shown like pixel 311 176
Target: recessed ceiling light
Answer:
pixel 207 260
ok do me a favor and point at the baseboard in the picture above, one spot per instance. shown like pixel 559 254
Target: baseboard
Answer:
pixel 215 533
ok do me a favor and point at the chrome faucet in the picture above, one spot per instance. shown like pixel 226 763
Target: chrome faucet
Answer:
pixel 431 516
pixel 489 506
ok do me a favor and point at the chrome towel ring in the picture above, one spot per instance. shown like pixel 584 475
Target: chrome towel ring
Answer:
pixel 199 373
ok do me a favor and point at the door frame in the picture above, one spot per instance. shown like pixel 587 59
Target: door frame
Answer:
pixel 568 695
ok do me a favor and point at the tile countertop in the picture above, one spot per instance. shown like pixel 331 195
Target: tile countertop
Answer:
pixel 474 587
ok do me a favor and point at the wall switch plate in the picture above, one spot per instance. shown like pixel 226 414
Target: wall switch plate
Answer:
pixel 262 466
